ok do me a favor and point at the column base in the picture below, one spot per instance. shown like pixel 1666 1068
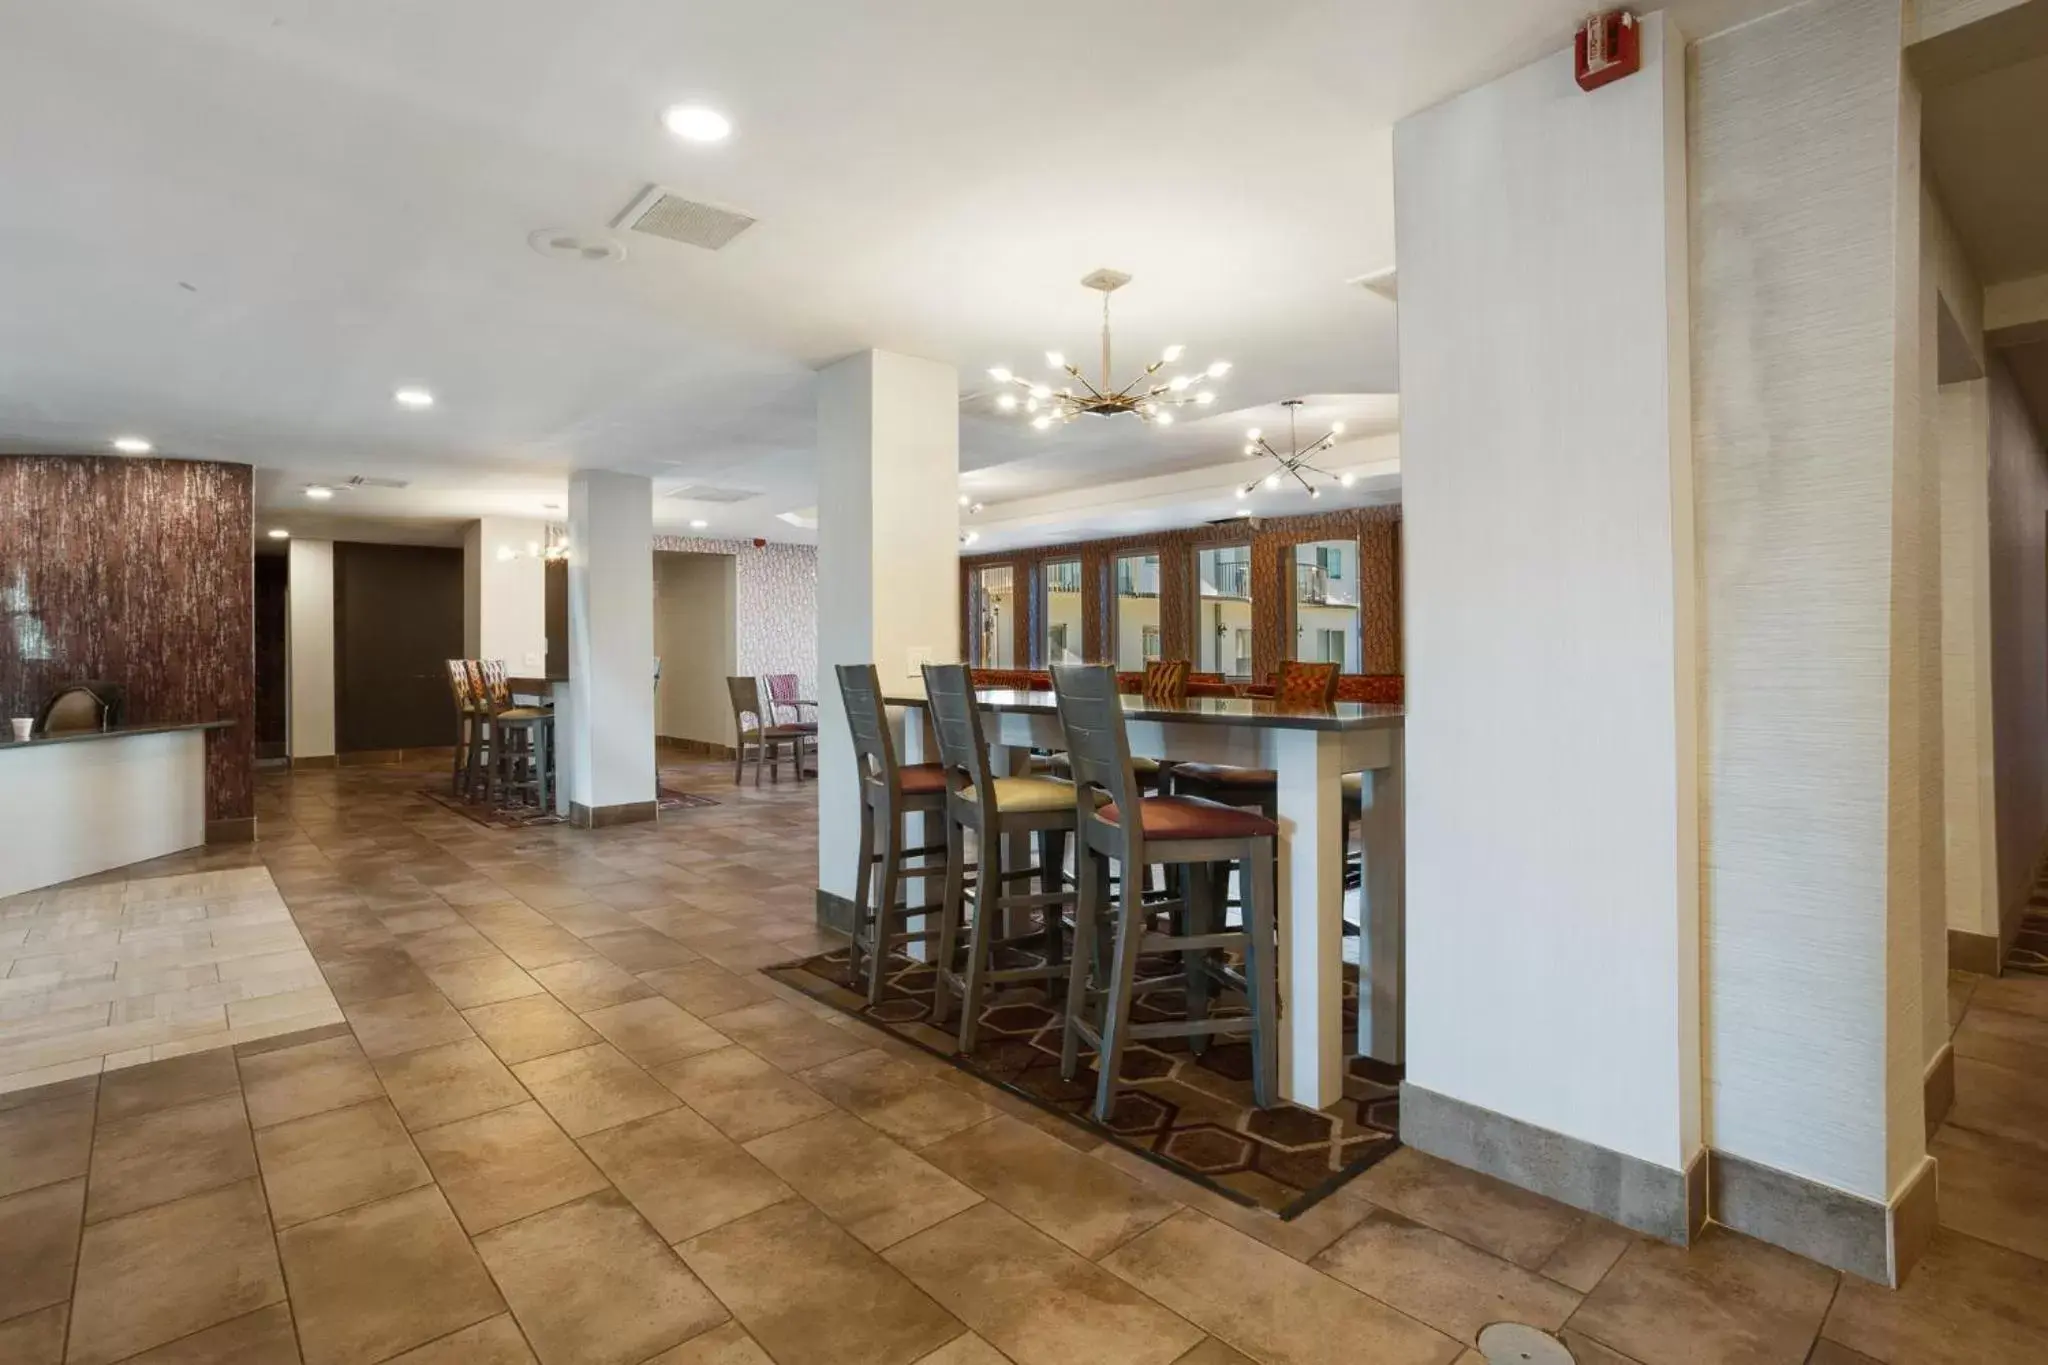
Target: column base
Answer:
pixel 603 817
pixel 1657 1200
pixel 835 912
pixel 1938 1088
pixel 240 830
pixel 1875 1240
pixel 1979 953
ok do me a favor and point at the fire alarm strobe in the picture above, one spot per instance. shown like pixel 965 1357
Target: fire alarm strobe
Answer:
pixel 1607 47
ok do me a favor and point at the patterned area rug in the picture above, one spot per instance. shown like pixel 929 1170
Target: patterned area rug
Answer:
pixel 1193 1115
pixel 2029 951
pixel 526 817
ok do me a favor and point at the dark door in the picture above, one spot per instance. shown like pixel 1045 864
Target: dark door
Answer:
pixel 397 622
pixel 272 586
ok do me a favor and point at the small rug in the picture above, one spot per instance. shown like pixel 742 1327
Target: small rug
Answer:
pixel 527 817
pixel 2029 951
pixel 1192 1115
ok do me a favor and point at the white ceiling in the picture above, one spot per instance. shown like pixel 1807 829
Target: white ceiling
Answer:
pixel 235 226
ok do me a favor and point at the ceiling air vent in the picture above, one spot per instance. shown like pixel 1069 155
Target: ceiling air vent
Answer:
pixel 700 492
pixel 664 213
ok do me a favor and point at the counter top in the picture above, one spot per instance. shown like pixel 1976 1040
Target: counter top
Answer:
pixel 8 741
pixel 1255 712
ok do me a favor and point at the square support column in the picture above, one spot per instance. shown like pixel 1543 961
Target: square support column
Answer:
pixel 888 563
pixel 604 723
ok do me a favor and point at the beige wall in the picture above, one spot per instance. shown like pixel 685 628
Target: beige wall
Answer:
pixel 695 629
pixel 1212 655
pixel 1064 609
pixel 2018 477
pixel 1133 615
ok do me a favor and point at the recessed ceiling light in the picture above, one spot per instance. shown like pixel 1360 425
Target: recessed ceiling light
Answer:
pixel 697 123
pixel 414 398
pixel 132 445
pixel 280 534
pixel 319 492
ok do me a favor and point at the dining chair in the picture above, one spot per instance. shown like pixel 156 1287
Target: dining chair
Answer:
pixel 1297 686
pixel 888 792
pixel 1110 935
pixel 754 727
pixel 784 695
pixel 993 810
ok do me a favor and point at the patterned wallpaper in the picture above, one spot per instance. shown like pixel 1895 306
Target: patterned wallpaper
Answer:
pixel 138 572
pixel 775 596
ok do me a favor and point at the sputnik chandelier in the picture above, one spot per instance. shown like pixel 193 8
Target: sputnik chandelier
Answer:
pixel 1298 458
pixel 1150 395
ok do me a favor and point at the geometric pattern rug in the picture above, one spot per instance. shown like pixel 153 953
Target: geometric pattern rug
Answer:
pixel 1193 1115
pixel 526 817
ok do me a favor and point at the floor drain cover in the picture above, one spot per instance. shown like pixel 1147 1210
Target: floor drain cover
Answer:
pixel 1515 1343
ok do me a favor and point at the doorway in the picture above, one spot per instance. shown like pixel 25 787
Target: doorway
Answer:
pixel 397 622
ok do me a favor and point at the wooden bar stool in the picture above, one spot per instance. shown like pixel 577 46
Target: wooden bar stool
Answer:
pixel 889 791
pixel 1109 937
pixel 992 808
pixel 470 719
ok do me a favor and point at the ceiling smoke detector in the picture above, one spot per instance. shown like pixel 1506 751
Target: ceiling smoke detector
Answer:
pixel 660 212
pixel 583 248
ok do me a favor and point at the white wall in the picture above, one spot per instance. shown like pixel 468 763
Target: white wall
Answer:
pixel 2019 635
pixel 309 649
pixel 1804 297
pixel 695 634
pixel 504 601
pixel 1963 435
pixel 1552 865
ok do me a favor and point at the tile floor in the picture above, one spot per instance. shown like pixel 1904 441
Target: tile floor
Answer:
pixel 563 1120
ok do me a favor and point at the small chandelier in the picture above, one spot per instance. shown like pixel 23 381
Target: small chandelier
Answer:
pixel 1298 458
pixel 1150 395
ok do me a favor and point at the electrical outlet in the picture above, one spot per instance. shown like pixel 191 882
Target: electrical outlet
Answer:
pixel 920 655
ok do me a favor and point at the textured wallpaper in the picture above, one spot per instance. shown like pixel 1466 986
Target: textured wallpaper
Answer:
pixel 138 572
pixel 775 596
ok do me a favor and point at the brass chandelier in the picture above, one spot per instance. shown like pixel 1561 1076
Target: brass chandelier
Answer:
pixel 1150 395
pixel 1297 459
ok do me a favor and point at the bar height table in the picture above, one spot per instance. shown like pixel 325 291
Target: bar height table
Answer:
pixel 1310 750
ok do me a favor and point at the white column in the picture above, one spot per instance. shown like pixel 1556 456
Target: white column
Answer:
pixel 1552 855
pixel 888 556
pixel 504 599
pixel 605 728
pixel 309 649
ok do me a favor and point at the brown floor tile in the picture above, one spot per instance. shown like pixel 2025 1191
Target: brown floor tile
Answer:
pixel 474 981
pixel 167 1154
pixel 171 1270
pixel 163 1085
pixel 39 1246
pixel 383 1278
pixel 34 1338
pixel 1033 1299
pixel 1726 1298
pixel 1996 1099
pixel 592 1088
pixel 1214 1352
pixel 726 1345
pixel 1967 1302
pixel 591 983
pixel 683 1175
pixel 1993 1188
pixel 590 919
pixel 1490 1214
pixel 325 1163
pixel 44 1142
pixel 506 1164
pixel 1588 1253
pixel 1301 1237
pixel 654 1031
pixel 535 1026
pixel 874 1188
pixel 1455 1288
pixel 291 1083
pixel 1266 1304
pixel 640 949
pixel 1591 1352
pixel 785 1036
pixel 434 916
pixel 85 1088
pixel 494 1341
pixel 705 988
pixel 591 1282
pixel 2019 993
pixel 812 1295
pixel 536 947
pixel 264 1337
pixel 1825 1352
pixel 742 1095
pixel 405 1023
pixel 445 945
pixel 374 973
pixel 1078 1200
pixel 2005 1038
pixel 904 1100
pixel 438 1085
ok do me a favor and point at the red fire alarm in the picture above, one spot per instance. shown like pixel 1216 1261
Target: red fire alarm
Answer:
pixel 1607 47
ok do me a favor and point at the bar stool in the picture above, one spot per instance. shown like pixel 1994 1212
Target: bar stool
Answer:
pixel 888 792
pixel 1298 686
pixel 469 726
pixel 992 809
pixel 1109 937
pixel 521 762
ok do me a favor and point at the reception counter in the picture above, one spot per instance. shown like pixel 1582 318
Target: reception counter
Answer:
pixel 75 804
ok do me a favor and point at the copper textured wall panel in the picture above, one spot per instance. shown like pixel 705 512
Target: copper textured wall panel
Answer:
pixel 138 572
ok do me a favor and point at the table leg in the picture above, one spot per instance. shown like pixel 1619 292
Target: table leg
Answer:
pixel 1310 803
pixel 1382 912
